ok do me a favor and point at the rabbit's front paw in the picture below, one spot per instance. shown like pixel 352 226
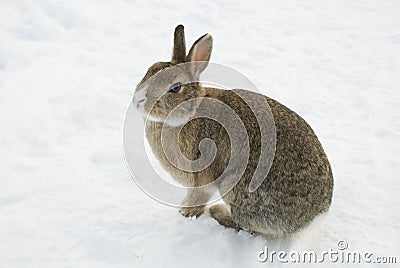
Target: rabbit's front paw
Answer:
pixel 192 211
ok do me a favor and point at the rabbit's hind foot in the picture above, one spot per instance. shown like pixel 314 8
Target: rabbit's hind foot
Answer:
pixel 223 216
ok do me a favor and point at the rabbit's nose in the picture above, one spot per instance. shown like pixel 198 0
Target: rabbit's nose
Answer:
pixel 140 96
pixel 139 103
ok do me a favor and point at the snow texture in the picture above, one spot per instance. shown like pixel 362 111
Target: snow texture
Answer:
pixel 67 74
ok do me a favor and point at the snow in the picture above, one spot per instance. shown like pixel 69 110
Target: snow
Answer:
pixel 67 74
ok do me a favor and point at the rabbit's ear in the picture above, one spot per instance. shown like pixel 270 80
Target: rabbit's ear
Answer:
pixel 200 54
pixel 179 50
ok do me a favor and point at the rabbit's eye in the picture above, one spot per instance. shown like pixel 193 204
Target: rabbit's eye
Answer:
pixel 175 87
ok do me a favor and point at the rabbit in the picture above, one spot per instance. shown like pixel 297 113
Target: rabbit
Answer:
pixel 299 184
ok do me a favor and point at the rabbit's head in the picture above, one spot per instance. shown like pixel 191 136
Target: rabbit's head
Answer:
pixel 169 85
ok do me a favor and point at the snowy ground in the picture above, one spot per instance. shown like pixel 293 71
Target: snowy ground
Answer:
pixel 67 72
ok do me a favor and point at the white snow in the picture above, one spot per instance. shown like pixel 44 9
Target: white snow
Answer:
pixel 67 74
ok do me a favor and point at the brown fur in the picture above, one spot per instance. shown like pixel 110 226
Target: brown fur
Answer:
pixel 299 184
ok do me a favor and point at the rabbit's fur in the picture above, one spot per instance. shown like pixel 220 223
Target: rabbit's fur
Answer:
pixel 299 184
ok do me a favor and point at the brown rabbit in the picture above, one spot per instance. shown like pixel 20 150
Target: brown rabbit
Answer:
pixel 299 183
